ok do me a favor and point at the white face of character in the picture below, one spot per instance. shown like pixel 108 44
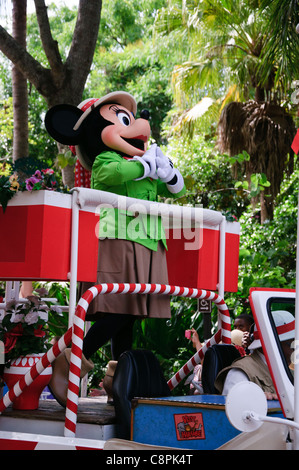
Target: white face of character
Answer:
pixel 127 134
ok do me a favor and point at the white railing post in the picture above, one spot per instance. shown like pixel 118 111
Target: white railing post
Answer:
pixel 74 256
pixel 296 345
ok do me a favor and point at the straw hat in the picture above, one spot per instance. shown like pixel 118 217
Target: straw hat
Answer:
pixel 236 337
pixel 118 97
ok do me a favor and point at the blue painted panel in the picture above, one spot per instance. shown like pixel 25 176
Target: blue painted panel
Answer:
pixel 189 422
pixel 197 399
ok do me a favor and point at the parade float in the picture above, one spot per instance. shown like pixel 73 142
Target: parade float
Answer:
pixel 51 236
pixel 59 234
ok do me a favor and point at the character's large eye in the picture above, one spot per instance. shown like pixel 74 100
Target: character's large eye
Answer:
pixel 124 118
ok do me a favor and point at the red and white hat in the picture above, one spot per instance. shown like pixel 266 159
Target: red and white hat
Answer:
pixel 120 97
pixel 285 327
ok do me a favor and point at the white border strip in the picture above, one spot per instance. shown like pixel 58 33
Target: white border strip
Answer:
pixel 51 442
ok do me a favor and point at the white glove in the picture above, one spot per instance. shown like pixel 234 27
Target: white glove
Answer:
pixel 165 169
pixel 169 175
pixel 148 160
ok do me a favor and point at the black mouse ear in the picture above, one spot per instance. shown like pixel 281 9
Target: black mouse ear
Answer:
pixel 60 121
pixel 145 114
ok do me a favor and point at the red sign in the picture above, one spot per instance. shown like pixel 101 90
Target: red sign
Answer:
pixel 194 262
pixel 35 238
pixel 295 144
pixel 189 426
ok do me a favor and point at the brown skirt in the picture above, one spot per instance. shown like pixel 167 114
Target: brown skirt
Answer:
pixel 123 261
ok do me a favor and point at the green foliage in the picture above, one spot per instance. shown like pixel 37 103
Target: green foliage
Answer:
pixel 138 71
pixel 129 59
pixel 208 175
pixel 281 46
pixel 125 22
pixel 65 159
pixel 7 191
pixel 41 145
pixel 100 361
pixel 58 319
pixel 198 49
pixel 232 53
pixel 166 338
pixel 258 182
pixel 61 30
pixel 26 174
pixel 22 330
pixel 6 127
pixel 240 158
pixel 268 251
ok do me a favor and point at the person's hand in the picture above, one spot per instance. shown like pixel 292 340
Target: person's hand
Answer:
pixel 246 340
pixel 195 339
pixel 271 396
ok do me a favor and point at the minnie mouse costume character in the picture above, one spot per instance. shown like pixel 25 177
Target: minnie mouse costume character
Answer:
pixel 112 144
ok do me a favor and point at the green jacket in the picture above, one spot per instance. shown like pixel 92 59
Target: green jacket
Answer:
pixel 113 173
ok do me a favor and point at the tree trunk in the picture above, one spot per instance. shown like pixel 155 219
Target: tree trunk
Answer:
pixel 61 82
pixel 19 84
pixel 259 94
pixel 266 132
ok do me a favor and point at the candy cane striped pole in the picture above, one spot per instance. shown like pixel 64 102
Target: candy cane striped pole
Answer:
pixel 36 370
pixel 196 359
pixel 161 289
pixel 76 359
pixel 223 334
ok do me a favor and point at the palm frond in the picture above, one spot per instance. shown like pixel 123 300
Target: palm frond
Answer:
pixel 188 125
pixel 282 45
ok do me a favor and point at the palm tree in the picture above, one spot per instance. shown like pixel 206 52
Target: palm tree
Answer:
pixel 281 46
pixel 266 131
pixel 263 127
pixel 232 59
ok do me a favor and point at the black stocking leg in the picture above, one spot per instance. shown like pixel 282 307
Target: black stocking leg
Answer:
pixel 116 327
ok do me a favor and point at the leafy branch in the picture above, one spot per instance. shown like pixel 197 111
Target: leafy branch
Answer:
pixel 258 181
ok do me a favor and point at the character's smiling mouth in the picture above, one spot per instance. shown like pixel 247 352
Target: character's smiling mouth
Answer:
pixel 137 142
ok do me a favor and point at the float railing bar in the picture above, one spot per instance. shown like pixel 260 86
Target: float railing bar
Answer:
pixel 223 334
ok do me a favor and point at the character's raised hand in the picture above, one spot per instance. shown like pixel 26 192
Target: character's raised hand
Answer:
pixel 168 174
pixel 165 170
pixel 148 160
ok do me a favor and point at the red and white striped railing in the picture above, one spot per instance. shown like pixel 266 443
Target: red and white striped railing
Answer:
pixel 223 334
pixel 75 335
pixel 36 370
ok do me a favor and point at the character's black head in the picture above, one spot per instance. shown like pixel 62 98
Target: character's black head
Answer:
pixel 88 129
